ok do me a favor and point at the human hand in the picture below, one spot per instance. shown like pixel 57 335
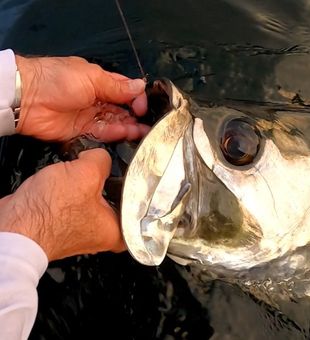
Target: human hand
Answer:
pixel 62 209
pixel 66 97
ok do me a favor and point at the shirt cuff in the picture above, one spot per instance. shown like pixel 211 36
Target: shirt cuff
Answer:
pixel 27 254
pixel 7 91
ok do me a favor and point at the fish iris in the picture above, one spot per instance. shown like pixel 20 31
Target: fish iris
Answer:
pixel 240 142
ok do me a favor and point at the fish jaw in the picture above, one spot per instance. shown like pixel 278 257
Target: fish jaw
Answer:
pixel 155 189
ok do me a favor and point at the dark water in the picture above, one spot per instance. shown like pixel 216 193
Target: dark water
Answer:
pixel 212 49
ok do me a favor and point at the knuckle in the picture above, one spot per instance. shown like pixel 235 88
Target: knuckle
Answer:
pixel 77 59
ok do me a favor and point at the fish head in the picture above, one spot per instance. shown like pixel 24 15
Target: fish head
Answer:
pixel 223 186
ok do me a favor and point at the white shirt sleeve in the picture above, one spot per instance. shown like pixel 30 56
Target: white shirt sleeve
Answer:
pixel 22 263
pixel 7 92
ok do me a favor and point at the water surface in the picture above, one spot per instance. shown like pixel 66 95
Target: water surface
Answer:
pixel 215 49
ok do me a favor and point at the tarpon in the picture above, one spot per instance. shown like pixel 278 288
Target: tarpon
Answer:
pixel 223 187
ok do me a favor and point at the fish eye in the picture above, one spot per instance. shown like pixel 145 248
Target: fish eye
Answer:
pixel 240 142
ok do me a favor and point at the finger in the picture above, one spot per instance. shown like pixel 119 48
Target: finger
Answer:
pixel 144 130
pixel 108 113
pixel 118 76
pixel 111 113
pixel 118 131
pixel 108 230
pixel 118 91
pixel 119 247
pixel 98 160
pixel 108 132
pixel 4 200
pixel 106 223
pixel 136 131
pixel 139 104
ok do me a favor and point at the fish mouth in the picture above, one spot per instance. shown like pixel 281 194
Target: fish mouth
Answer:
pixel 159 94
pixel 162 97
pixel 155 189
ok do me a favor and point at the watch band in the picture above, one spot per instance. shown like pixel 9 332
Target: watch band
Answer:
pixel 16 113
pixel 18 96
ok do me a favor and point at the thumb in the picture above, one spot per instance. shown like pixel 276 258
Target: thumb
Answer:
pixel 109 88
pixel 97 161
pixel 110 236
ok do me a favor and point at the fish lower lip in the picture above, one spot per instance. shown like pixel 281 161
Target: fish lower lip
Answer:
pixel 154 179
pixel 157 232
pixel 165 208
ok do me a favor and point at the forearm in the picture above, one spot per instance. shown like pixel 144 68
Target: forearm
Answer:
pixel 22 263
pixel 7 92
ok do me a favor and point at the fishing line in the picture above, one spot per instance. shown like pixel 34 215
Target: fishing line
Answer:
pixel 130 39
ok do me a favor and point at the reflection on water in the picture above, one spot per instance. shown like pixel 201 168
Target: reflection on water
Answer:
pixel 215 49
pixel 283 20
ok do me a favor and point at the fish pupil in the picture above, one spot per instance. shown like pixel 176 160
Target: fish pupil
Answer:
pixel 234 147
pixel 240 142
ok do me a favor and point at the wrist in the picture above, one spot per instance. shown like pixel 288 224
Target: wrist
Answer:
pixel 17 217
pixel 17 100
pixel 25 88
pixel 16 107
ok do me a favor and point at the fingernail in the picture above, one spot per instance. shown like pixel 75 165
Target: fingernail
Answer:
pixel 136 85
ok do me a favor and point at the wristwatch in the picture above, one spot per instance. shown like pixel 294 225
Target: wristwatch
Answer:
pixel 18 96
